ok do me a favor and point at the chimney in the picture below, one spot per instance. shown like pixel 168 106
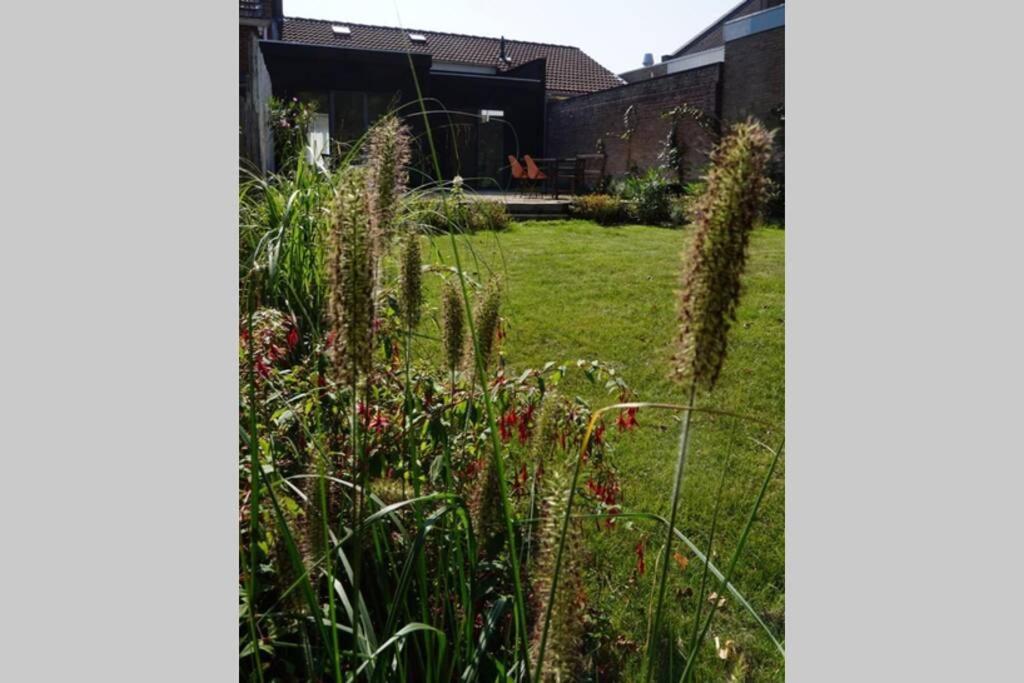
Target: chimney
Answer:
pixel 502 57
pixel 649 59
pixel 276 19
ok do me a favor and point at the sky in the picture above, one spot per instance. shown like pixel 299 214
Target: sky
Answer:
pixel 616 33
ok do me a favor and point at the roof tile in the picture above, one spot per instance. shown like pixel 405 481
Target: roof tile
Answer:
pixel 568 69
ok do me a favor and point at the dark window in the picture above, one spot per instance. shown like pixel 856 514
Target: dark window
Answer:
pixel 354 112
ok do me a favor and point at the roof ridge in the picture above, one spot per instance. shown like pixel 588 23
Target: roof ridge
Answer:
pixel 444 33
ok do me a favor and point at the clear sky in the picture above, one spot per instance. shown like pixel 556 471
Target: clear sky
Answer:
pixel 616 33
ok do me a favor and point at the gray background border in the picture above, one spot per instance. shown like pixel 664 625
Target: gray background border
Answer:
pixel 903 343
pixel 119 300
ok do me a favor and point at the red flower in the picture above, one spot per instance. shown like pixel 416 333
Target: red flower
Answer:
pixel 262 367
pixel 599 433
pixel 641 566
pixel 293 338
pixel 627 419
pixel 379 422
pixel 524 424
pixel 472 468
pixel 506 423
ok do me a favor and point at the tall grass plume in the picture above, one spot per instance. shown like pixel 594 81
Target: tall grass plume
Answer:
pixel 487 314
pixel 351 268
pixel 410 290
pixel 563 648
pixel 737 186
pixel 452 324
pixel 387 160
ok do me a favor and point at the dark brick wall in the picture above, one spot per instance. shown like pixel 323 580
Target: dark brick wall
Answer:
pixel 754 85
pixel 754 76
pixel 713 37
pixel 575 125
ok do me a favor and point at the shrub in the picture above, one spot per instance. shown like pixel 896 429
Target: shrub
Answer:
pixel 436 214
pixel 681 207
pixel 647 197
pixel 485 215
pixel 677 210
pixel 603 209
pixel 289 122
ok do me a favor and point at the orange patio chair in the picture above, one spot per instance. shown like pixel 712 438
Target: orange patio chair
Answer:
pixel 533 171
pixel 518 172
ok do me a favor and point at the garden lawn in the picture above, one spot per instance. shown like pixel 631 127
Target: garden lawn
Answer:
pixel 576 290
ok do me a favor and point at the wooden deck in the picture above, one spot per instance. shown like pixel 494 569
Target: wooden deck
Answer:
pixel 524 207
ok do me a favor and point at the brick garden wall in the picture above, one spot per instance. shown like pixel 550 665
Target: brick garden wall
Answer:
pixel 575 125
pixel 754 84
pixel 754 76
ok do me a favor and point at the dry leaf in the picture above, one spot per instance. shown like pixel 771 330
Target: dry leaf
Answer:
pixel 680 560
pixel 713 598
pixel 724 651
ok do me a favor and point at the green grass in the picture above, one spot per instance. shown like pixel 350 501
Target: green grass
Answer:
pixel 576 290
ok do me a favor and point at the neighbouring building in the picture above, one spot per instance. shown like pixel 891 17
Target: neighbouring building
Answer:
pixel 733 69
pixel 486 97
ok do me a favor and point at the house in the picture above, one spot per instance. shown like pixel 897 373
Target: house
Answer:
pixel 733 69
pixel 486 97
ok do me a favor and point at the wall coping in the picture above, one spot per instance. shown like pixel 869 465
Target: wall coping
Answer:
pixel 765 20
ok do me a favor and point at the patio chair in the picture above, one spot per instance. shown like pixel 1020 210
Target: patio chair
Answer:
pixel 518 172
pixel 533 172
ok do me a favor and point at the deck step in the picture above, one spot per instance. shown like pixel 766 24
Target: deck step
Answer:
pixel 532 208
pixel 518 209
pixel 539 216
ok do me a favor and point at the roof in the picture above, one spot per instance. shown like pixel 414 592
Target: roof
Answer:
pixel 568 69
pixel 713 35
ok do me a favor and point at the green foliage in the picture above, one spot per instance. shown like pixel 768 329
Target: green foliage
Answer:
pixel 436 214
pixel 282 224
pixel 646 197
pixel 290 120
pixel 603 209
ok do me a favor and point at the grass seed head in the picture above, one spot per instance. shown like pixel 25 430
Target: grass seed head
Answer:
pixel 487 317
pixel 545 433
pixel 563 652
pixel 736 187
pixel 411 285
pixel 453 324
pixel 486 507
pixel 387 163
pixel 351 267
